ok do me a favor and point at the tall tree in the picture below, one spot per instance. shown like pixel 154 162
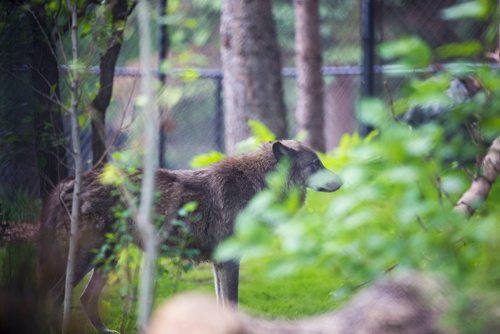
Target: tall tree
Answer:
pixel 252 69
pixel 48 123
pixel 339 109
pixel 119 12
pixel 18 163
pixel 309 114
pixel 48 25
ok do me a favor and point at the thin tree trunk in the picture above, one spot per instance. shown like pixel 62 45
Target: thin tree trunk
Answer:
pixel 75 206
pixel 252 70
pixel 145 215
pixel 48 123
pixel 309 114
pixel 119 13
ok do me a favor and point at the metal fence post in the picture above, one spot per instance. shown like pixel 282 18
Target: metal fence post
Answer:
pixel 163 46
pixel 368 47
pixel 219 115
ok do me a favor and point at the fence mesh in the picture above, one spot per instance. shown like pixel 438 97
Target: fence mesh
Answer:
pixel 194 127
pixel 194 123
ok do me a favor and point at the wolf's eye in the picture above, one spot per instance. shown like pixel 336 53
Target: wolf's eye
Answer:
pixel 316 163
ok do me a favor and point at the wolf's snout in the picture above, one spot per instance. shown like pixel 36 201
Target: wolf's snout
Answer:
pixel 324 181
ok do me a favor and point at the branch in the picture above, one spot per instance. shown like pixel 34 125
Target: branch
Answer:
pixel 481 185
pixel 117 131
pixel 119 13
pixel 75 206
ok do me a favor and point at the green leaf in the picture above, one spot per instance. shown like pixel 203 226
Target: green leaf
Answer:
pixel 207 159
pixel 187 208
pixel 82 120
pixel 173 6
pixel 373 112
pixel 191 23
pixel 246 145
pixel 479 9
pixel 191 206
pixel 86 27
pixel 464 49
pixel 429 92
pixel 412 52
pixel 112 175
pixel 171 96
pixel 189 74
pixel 53 6
pixel 201 37
pixel 261 131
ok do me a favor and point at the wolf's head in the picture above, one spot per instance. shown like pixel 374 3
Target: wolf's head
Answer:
pixel 306 169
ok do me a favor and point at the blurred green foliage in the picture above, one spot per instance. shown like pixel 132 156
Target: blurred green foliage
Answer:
pixel 395 210
pixel 119 254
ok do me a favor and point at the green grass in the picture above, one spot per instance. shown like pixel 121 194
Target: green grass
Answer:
pixel 304 293
pixel 300 294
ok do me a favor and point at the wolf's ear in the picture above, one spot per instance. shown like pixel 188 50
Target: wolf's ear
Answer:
pixel 280 150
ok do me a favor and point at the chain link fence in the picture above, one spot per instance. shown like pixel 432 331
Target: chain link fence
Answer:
pixel 402 18
pixel 194 124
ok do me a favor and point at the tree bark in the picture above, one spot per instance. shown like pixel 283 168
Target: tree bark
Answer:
pixel 251 67
pixel 119 13
pixel 339 110
pixel 48 123
pixel 77 155
pixel 309 113
pixel 144 217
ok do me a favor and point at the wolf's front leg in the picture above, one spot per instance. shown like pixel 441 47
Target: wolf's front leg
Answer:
pixel 90 300
pixel 226 279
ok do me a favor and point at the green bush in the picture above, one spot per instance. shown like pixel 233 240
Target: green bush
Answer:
pixel 395 210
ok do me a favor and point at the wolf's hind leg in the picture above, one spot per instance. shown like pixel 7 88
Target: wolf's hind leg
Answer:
pixel 90 300
pixel 226 277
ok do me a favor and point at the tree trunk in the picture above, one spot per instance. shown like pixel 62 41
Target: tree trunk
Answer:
pixel 144 217
pixel 252 70
pixel 339 110
pixel 48 124
pixel 119 13
pixel 77 155
pixel 309 114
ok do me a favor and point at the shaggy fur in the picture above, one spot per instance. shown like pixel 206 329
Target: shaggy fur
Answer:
pixel 221 191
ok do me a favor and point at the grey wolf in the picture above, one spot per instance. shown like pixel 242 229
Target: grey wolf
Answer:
pixel 221 191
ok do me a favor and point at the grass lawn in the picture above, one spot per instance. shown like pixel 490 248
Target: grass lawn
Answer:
pixel 294 296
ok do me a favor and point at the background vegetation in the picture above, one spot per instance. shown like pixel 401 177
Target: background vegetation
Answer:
pixel 394 213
